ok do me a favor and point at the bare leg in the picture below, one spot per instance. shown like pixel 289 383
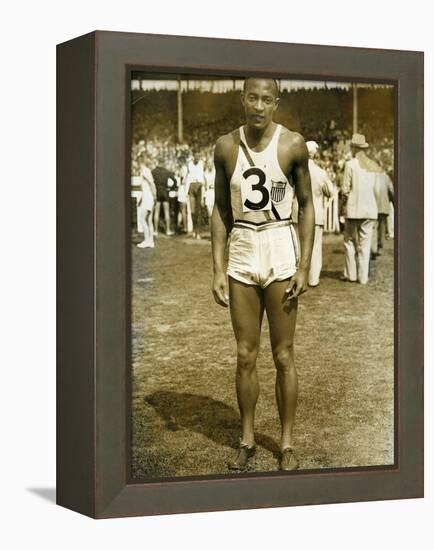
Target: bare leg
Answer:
pixel 141 214
pixel 148 222
pixel 246 305
pixel 282 320
pixel 183 208
pixel 157 216
pixel 195 196
pixel 150 227
pixel 166 211
pixel 145 223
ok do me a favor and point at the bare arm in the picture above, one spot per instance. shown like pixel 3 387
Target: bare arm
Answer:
pixel 306 217
pixel 153 189
pixel 221 225
pixel 327 186
pixel 390 190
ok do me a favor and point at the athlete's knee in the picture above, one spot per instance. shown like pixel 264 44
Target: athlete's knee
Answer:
pixel 246 356
pixel 284 357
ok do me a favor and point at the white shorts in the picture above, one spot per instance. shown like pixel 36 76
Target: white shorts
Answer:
pixel 259 255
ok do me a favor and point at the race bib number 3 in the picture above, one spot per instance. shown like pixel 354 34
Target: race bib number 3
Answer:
pixel 255 190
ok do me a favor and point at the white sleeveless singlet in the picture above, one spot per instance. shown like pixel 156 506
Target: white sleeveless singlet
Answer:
pixel 263 245
pixel 260 193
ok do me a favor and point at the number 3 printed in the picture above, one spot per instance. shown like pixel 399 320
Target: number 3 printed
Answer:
pixel 259 186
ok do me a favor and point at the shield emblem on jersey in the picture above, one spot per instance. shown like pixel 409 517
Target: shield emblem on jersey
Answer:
pixel 278 189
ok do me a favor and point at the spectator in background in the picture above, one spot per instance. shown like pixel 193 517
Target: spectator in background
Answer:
pixel 321 187
pixel 162 178
pixel 181 173
pixel 195 186
pixel 361 210
pixel 146 205
pixel 384 196
pixel 209 175
pixel 173 203
pixel 341 199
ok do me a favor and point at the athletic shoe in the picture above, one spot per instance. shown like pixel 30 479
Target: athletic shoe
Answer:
pixel 241 460
pixel 345 279
pixel 146 244
pixel 288 460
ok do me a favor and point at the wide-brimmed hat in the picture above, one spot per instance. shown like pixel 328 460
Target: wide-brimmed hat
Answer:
pixel 359 140
pixel 312 146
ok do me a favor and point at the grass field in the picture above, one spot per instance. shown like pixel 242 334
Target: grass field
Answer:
pixel 185 419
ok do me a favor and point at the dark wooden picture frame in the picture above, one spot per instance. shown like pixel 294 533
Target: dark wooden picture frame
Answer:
pixel 93 390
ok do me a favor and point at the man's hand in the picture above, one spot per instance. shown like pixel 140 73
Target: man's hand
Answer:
pixel 297 284
pixel 220 289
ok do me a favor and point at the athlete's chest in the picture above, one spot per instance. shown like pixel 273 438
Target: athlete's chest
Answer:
pixel 271 161
pixel 258 181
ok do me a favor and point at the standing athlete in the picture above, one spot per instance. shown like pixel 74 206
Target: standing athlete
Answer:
pixel 258 168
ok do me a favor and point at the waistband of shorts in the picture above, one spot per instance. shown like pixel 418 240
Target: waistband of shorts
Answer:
pixel 262 226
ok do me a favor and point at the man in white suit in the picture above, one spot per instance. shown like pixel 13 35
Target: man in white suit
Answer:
pixel 361 210
pixel 321 187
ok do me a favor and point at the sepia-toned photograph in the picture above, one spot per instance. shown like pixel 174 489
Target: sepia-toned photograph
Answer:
pixel 262 275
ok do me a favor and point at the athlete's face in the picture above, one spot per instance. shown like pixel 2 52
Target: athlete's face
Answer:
pixel 260 101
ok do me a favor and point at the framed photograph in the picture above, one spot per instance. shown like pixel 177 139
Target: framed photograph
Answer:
pixel 240 274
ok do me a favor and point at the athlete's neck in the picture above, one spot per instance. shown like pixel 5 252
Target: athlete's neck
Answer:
pixel 254 136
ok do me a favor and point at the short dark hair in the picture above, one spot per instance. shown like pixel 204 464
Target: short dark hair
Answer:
pixel 276 84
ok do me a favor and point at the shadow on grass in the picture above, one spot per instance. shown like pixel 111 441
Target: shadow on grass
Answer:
pixel 332 274
pixel 201 414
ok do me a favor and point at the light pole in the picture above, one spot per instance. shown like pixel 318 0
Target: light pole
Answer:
pixel 180 117
pixel 355 108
